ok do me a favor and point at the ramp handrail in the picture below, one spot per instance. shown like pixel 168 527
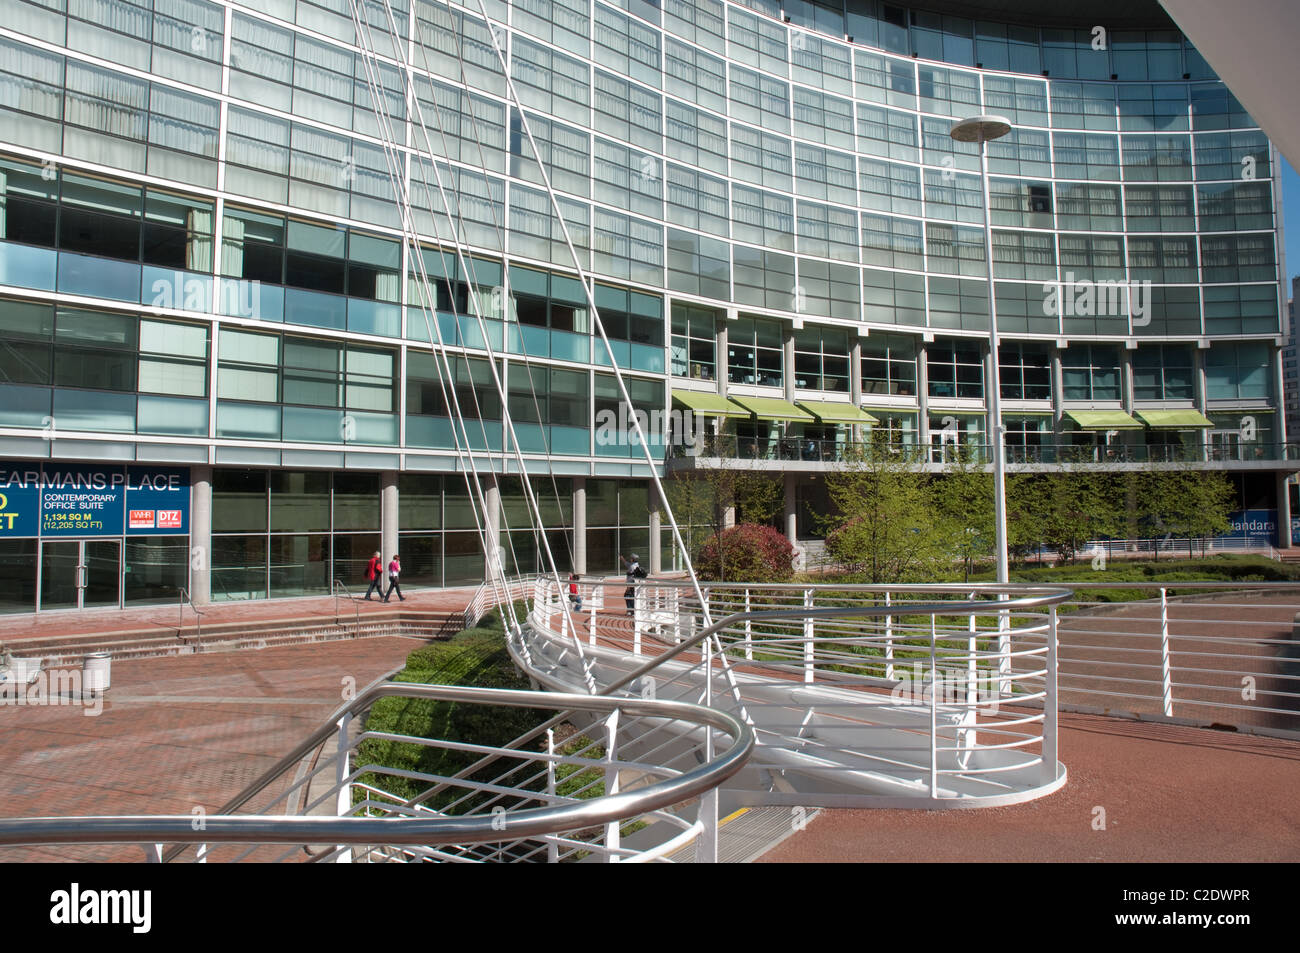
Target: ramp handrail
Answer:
pixel 423 828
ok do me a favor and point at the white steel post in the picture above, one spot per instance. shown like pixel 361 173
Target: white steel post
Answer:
pixel 934 717
pixel 1166 676
pixel 809 632
pixel 706 845
pixel 889 641
pixel 749 632
pixel 612 832
pixel 1050 716
pixel 552 846
pixel 343 804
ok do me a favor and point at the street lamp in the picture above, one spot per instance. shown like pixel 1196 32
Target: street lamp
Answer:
pixel 982 129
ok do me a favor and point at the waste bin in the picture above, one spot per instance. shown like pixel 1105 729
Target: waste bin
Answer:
pixel 96 672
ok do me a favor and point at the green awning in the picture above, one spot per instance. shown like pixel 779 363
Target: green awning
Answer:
pixel 770 408
pixel 1103 420
pixel 1174 419
pixel 831 412
pixel 704 402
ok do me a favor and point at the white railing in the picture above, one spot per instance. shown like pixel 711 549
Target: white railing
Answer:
pixel 1207 653
pixel 858 695
pixel 605 779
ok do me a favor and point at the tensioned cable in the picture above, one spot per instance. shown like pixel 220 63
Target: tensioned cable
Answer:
pixel 392 155
pixel 507 422
pixel 446 379
pixel 588 286
pixel 595 312
pixel 497 224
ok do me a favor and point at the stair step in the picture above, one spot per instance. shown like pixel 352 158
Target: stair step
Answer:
pixel 165 641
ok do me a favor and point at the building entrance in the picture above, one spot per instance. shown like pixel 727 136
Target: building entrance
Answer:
pixel 80 573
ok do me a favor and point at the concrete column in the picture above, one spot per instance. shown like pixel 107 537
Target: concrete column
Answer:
pixel 1283 512
pixel 201 535
pixel 720 357
pixel 1126 391
pixel 656 521
pixel 388 518
pixel 922 400
pixel 492 525
pixel 580 525
pixel 791 513
pixel 1279 391
pixel 1198 378
pixel 729 517
pixel 856 433
pixel 1058 397
pixel 787 361
pixel 1126 379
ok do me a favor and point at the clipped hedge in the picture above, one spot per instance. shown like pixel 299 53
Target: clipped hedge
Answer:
pixel 477 657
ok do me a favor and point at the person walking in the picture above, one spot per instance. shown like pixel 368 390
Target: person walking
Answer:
pixel 634 572
pixel 574 596
pixel 375 573
pixel 394 571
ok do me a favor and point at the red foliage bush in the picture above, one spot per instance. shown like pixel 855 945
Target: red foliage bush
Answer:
pixel 747 553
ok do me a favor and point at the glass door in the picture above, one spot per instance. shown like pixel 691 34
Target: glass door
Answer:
pixel 81 574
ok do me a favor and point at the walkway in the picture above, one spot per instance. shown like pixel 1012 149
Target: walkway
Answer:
pixel 164 617
pixel 1169 793
pixel 175 734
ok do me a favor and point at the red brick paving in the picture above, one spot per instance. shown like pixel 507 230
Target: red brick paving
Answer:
pixel 1171 794
pixel 14 628
pixel 151 755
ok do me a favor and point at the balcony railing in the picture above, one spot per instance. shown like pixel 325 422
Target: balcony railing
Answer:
pixel 807 450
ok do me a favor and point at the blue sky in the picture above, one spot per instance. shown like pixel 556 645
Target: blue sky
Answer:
pixel 1291 221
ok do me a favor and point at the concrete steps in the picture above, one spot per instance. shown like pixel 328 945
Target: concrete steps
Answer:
pixel 161 640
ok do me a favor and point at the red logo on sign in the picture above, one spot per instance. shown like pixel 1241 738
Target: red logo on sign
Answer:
pixel 169 519
pixel 141 519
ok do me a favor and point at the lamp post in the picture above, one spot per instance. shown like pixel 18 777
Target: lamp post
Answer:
pixel 982 129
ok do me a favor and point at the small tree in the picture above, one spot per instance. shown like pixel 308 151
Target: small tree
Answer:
pixel 1202 500
pixel 964 499
pixel 884 523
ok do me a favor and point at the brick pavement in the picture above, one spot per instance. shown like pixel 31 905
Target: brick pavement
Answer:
pixel 1170 794
pixel 15 628
pixel 175 733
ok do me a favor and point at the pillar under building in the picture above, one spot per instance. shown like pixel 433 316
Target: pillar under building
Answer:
pixel 389 523
pixel 201 535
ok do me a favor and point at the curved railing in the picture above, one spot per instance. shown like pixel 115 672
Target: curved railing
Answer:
pixel 572 788
pixel 858 695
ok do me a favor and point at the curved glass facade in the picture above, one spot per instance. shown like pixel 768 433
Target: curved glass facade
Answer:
pixel 764 193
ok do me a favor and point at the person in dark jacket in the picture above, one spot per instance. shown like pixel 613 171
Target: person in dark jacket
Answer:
pixel 375 573
pixel 394 570
pixel 634 572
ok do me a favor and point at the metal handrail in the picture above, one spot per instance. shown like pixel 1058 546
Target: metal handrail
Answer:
pixel 356 606
pixel 421 829
pixel 198 616
pixel 1050 596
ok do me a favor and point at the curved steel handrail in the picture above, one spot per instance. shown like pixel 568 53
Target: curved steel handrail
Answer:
pixel 1049 596
pixel 531 822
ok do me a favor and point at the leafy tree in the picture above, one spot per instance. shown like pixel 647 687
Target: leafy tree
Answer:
pixel 1201 502
pixel 884 524
pixel 964 499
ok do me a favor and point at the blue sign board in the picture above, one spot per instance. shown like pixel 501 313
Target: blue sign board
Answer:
pixel 1256 525
pixel 56 500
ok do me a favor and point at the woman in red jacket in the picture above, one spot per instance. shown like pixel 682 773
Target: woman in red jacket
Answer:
pixel 375 573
